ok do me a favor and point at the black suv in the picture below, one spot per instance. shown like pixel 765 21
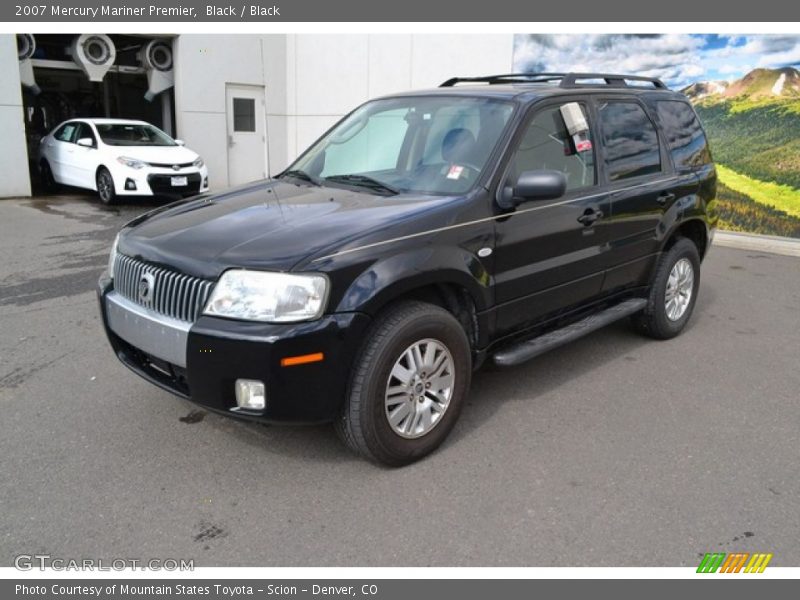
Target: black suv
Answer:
pixel 492 218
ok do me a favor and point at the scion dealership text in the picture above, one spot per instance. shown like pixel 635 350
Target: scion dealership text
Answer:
pixel 193 590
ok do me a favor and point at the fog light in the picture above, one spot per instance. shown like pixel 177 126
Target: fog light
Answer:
pixel 250 394
pixel 205 182
pixel 130 184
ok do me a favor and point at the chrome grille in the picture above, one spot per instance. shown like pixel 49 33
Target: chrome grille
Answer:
pixel 173 294
pixel 171 165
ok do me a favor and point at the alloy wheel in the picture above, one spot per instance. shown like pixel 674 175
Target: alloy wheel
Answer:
pixel 419 388
pixel 680 286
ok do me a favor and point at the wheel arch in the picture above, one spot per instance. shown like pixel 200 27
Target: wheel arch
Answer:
pixel 450 278
pixel 103 167
pixel 694 229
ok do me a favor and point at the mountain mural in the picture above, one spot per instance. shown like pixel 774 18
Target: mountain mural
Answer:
pixel 746 89
pixel 753 124
pixel 703 89
pixel 758 84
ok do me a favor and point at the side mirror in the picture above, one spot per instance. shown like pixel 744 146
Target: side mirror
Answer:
pixel 180 142
pixel 86 142
pixel 534 185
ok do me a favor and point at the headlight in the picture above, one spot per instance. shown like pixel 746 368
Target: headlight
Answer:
pixel 112 257
pixel 268 296
pixel 198 163
pixel 133 163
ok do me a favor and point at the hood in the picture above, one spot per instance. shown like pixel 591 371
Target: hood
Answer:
pixel 156 154
pixel 269 225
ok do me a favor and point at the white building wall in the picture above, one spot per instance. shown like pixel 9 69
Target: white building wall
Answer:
pixel 329 75
pixel 310 82
pixel 14 176
pixel 204 64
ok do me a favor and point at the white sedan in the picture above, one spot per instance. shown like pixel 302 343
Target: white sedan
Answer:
pixel 119 157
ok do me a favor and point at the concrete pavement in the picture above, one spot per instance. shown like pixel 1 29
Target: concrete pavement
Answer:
pixel 612 451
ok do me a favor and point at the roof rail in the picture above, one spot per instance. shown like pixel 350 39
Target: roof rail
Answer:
pixel 506 78
pixel 609 79
pixel 565 80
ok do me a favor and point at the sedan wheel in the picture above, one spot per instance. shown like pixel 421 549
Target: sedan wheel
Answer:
pixel 105 187
pixel 46 177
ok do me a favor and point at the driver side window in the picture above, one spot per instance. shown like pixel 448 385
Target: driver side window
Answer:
pixel 547 144
pixel 85 131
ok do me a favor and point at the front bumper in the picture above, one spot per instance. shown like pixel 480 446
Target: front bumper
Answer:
pixel 156 181
pixel 203 360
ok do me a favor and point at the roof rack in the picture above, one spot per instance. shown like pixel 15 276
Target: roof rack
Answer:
pixel 507 78
pixel 565 80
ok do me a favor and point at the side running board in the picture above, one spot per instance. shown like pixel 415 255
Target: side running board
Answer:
pixel 530 348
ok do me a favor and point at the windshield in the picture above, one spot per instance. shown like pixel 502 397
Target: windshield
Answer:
pixel 437 145
pixel 133 134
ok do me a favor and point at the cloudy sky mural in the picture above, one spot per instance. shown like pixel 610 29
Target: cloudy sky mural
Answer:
pixel 677 59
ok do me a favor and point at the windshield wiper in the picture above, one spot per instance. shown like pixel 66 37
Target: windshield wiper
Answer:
pixel 298 174
pixel 364 181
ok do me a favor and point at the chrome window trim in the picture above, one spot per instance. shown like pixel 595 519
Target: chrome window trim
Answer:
pixel 506 215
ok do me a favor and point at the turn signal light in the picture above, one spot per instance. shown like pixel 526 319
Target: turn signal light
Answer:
pixel 303 359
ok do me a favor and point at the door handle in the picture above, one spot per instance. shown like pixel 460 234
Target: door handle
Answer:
pixel 230 141
pixel 590 216
pixel 665 197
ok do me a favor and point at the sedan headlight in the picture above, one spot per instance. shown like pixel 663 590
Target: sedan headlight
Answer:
pixel 112 257
pixel 133 163
pixel 268 296
pixel 198 162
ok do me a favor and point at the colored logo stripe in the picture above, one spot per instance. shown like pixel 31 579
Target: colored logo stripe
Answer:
pixel 758 563
pixel 734 562
pixel 711 562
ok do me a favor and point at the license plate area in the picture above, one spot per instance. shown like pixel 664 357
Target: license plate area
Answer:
pixel 157 335
pixel 180 181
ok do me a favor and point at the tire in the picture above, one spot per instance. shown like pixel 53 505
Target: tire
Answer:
pixel 49 184
pixel 658 320
pixel 105 187
pixel 364 424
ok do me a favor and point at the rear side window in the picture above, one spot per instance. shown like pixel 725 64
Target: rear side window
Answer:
pixel 630 141
pixel 685 138
pixel 66 133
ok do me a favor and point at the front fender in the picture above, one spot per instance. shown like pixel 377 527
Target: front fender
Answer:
pixel 393 276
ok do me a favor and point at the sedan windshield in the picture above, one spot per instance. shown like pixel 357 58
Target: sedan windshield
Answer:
pixel 437 145
pixel 133 134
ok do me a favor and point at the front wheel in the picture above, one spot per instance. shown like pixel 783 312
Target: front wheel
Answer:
pixel 673 293
pixel 408 384
pixel 105 186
